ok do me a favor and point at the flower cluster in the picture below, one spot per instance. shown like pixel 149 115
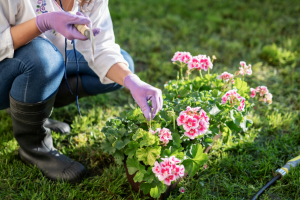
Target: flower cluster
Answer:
pixel 182 190
pixel 234 99
pixel 264 94
pixel 194 120
pixel 226 77
pixel 164 135
pixel 194 62
pixel 244 69
pixel 200 62
pixel 183 57
pixel 168 170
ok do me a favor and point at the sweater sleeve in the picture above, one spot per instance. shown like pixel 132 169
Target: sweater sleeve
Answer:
pixel 8 11
pixel 107 52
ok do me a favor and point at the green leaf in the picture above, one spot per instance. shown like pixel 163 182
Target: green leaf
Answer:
pixel 241 86
pixel 120 144
pixel 214 111
pixel 148 139
pixel 184 91
pixel 106 145
pixel 148 155
pixel 156 191
pixel 216 93
pixel 214 129
pixel 132 148
pixel 138 134
pixel 176 139
pixel 119 157
pixel 149 176
pixel 197 158
pixel 209 140
pixel 141 118
pixel 145 187
pixel 122 131
pixel 132 165
pixel 246 124
pixel 141 155
pixel 138 176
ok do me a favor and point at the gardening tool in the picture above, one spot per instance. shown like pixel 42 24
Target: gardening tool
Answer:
pixel 84 30
pixel 279 174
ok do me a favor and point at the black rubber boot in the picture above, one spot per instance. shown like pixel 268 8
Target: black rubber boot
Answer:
pixel 64 96
pixel 36 145
pixel 53 125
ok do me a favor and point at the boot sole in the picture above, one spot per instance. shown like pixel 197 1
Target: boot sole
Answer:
pixel 34 165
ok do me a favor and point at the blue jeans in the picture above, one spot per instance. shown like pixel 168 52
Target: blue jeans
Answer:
pixel 36 71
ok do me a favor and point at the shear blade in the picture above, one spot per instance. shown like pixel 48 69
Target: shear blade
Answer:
pixel 90 35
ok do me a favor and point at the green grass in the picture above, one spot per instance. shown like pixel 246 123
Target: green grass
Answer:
pixel 263 33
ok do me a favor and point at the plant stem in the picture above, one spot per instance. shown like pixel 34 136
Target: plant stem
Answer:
pixel 208 70
pixel 151 117
pixel 200 73
pixel 177 82
pixel 174 121
pixel 181 73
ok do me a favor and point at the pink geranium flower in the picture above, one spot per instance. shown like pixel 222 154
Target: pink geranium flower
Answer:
pixel 168 179
pixel 264 94
pixel 234 99
pixel 181 119
pixel 190 123
pixel 183 57
pixel 174 160
pixel 253 92
pixel 224 99
pixel 156 169
pixel 205 62
pixel 262 90
pixel 204 116
pixel 203 126
pixel 268 98
pixel 244 69
pixel 195 121
pixel 165 135
pixel 226 77
pixel 192 133
pixel 167 171
pixel 182 190
pixel 194 63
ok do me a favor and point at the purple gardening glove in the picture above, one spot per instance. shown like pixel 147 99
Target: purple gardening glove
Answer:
pixel 142 92
pixel 62 22
pixel 96 31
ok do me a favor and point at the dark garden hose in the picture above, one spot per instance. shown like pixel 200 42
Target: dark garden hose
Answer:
pixel 266 186
pixel 279 173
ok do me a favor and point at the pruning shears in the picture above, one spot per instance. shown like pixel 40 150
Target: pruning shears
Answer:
pixel 85 30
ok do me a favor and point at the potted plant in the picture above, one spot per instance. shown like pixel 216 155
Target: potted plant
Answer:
pixel 158 153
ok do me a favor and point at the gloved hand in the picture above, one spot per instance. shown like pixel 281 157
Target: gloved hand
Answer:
pixel 142 92
pixel 96 31
pixel 62 22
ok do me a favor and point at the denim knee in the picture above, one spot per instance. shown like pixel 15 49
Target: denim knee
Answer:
pixel 41 71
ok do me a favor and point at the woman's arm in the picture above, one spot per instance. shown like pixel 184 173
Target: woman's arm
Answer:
pixel 23 33
pixel 62 22
pixel 118 72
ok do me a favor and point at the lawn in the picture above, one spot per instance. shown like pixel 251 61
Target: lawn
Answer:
pixel 262 33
